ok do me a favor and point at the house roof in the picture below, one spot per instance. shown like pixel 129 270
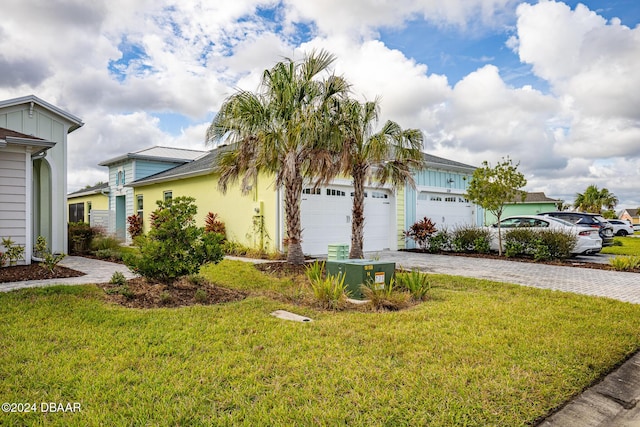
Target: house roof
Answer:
pixel 158 153
pixel 75 121
pixel 633 212
pixel 442 163
pixel 200 166
pixel 537 197
pixel 96 189
pixel 38 145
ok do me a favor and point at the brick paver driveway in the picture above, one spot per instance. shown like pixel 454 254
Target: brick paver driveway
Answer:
pixel 617 285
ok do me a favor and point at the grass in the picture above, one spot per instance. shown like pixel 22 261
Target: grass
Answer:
pixel 477 353
pixel 628 246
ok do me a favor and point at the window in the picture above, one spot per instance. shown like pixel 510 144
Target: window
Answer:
pixel 379 195
pixel 334 192
pixel 140 205
pixel 76 212
pixel 167 196
pixel 365 194
pixel 315 191
pixel 120 178
pixel 89 211
pixel 463 200
pixel 435 198
pixel 450 199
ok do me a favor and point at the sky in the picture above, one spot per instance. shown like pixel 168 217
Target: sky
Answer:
pixel 553 85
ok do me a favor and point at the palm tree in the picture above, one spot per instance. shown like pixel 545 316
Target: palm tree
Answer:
pixel 282 129
pixel 384 156
pixel 593 199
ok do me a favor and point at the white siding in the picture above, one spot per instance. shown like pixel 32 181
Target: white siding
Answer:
pixel 13 196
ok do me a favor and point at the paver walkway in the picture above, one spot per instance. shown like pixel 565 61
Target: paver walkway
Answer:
pixel 588 281
pixel 96 271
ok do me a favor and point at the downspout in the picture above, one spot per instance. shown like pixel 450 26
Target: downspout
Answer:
pixel 279 236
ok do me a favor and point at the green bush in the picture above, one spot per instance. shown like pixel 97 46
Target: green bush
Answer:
pixel 117 278
pixel 542 245
pixel 174 246
pixel 331 291
pixel 108 254
pixel 385 296
pixel 415 282
pixel 440 241
pixel 80 236
pixel 625 263
pixel 101 242
pixel 469 238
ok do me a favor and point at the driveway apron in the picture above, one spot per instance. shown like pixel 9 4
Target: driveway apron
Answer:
pixel 621 286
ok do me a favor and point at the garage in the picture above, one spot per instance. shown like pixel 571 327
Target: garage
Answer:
pixel 446 210
pixel 326 218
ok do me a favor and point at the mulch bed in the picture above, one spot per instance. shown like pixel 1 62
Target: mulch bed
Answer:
pixel 35 271
pixel 140 293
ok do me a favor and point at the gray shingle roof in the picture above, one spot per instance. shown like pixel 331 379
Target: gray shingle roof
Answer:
pixel 158 153
pixel 436 161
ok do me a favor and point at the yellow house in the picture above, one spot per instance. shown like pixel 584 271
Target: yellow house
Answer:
pixel 80 203
pixel 256 218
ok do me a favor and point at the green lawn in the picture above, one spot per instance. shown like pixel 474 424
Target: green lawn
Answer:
pixel 629 246
pixel 478 353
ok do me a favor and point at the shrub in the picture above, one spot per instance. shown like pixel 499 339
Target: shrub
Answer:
pixel 416 283
pixel 135 225
pixel 49 260
pixel 201 296
pixel 108 254
pixel 315 271
pixel 166 297
pixel 117 278
pixel 625 263
pixel 542 245
pixel 80 237
pixel 14 252
pixel 214 225
pixel 102 242
pixel 174 246
pixel 385 296
pixel 468 238
pixel 441 241
pixel 330 292
pixel 420 232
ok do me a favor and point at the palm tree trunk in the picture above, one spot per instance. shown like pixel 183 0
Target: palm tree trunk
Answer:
pixel 292 193
pixel 357 213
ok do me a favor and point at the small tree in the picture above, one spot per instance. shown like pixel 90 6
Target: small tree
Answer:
pixel 493 187
pixel 174 246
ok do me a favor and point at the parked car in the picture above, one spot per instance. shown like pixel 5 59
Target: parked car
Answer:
pixel 592 220
pixel 588 240
pixel 620 227
pixel 636 227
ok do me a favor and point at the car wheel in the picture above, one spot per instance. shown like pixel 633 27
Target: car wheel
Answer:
pixel 622 233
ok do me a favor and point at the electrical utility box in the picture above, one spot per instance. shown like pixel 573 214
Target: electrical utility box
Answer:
pixel 362 271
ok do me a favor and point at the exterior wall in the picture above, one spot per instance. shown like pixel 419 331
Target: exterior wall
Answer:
pixel 40 123
pixel 98 202
pixel 13 196
pixel 634 219
pixel 433 180
pixel 145 168
pixel 520 209
pixel 400 216
pixel 236 210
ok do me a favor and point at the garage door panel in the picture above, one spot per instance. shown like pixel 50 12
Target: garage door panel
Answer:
pixel 326 218
pixel 444 209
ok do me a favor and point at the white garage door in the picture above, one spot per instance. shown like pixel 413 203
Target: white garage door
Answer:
pixel 444 209
pixel 326 218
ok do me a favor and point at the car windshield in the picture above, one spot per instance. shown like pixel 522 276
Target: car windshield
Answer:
pixel 600 219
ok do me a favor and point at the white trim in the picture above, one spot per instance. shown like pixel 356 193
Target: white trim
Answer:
pixel 28 203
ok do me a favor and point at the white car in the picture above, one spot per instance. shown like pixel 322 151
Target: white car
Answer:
pixel 620 227
pixel 588 240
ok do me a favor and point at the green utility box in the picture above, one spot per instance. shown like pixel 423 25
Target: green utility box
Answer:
pixel 360 271
pixel 338 252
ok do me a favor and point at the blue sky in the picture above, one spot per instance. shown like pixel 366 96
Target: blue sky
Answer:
pixel 551 83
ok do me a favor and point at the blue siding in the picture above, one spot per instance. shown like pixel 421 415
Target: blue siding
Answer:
pixel 144 168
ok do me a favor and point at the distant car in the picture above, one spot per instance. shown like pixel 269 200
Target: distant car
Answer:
pixel 591 220
pixel 620 227
pixel 588 240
